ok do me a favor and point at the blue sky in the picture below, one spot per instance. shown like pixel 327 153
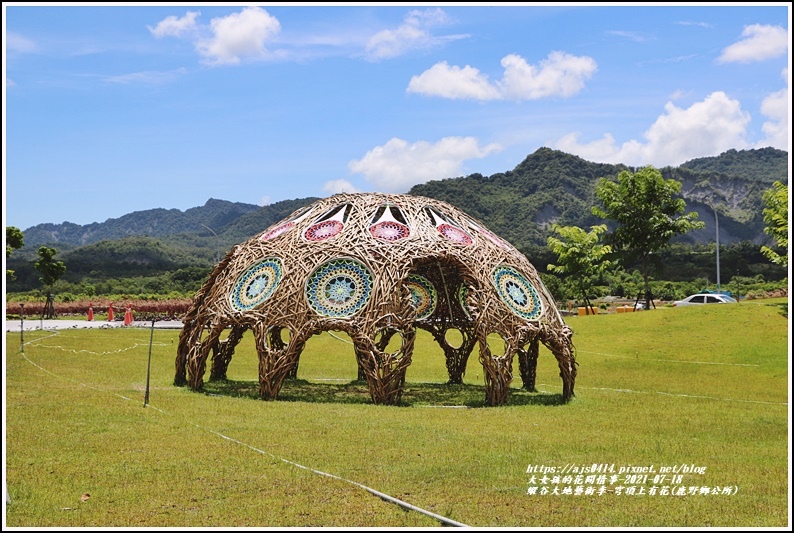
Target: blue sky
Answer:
pixel 120 108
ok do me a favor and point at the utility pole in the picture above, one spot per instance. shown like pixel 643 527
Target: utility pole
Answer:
pixel 717 223
pixel 217 245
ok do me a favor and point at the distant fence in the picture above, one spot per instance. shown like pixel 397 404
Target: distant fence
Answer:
pixel 142 309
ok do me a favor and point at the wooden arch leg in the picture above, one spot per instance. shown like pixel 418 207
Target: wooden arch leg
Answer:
pixel 561 345
pixel 189 341
pixel 197 357
pixel 276 358
pixel 528 364
pixel 385 372
pixel 380 344
pixel 457 357
pixel 497 371
pixel 222 353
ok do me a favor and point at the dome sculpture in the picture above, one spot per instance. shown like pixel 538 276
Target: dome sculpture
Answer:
pixel 375 266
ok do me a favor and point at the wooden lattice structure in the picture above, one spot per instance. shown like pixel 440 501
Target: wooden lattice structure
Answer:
pixel 375 266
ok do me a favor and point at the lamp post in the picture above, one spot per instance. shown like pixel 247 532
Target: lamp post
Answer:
pixel 717 223
pixel 217 245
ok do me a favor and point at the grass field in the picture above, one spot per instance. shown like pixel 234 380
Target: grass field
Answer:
pixel 700 387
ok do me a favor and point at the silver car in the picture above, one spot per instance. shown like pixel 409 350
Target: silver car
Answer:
pixel 705 298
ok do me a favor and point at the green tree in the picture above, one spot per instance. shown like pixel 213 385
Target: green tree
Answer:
pixel 648 215
pixel 14 241
pixel 581 256
pixel 51 271
pixel 776 219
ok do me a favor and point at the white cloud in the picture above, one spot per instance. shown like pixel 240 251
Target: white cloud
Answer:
pixel 759 42
pixel 397 165
pixel 630 35
pixel 176 27
pixel 693 23
pixel 239 36
pixel 10 83
pixel 560 74
pixel 412 34
pixel 338 186
pixel 17 43
pixel 453 82
pixel 149 77
pixel 776 108
pixel 704 129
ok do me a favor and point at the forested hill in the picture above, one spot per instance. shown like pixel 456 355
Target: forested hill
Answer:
pixel 765 165
pixel 550 186
pixel 214 216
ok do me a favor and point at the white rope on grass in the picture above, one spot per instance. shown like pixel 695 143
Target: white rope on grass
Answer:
pixel 120 350
pixel 667 360
pixel 392 499
pixel 73 380
pixel 331 333
pixel 679 395
pixel 383 496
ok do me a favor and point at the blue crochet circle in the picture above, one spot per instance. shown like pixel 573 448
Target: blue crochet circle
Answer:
pixel 256 284
pixel 519 295
pixel 339 288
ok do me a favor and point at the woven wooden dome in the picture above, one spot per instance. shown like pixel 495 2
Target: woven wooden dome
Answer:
pixel 376 266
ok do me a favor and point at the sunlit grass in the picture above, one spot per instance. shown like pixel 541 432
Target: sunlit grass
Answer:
pixel 705 386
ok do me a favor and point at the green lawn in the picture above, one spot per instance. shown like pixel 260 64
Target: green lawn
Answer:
pixel 699 386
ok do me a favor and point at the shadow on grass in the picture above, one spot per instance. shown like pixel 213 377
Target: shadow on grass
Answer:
pixel 356 392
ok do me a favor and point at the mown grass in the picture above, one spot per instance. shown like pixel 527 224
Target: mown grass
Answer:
pixel 704 385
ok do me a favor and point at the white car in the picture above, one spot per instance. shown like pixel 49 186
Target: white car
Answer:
pixel 705 298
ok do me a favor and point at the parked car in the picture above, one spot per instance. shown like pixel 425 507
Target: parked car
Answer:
pixel 705 298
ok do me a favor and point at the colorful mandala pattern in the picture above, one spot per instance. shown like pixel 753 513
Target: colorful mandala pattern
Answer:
pixel 339 288
pixel 275 232
pixel 389 230
pixel 324 230
pixel 455 234
pixel 256 284
pixel 423 295
pixel 494 239
pixel 517 293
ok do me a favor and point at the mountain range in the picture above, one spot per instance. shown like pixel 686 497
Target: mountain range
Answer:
pixel 548 186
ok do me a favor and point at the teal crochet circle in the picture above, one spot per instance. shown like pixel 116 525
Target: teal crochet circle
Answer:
pixel 519 295
pixel 256 284
pixel 339 288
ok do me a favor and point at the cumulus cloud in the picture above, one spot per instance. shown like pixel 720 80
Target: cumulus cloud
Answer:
pixel 339 186
pixel 176 27
pixel 398 165
pixel 759 42
pixel 775 108
pixel 560 74
pixel 412 34
pixel 227 40
pixel 704 129
pixel 454 82
pixel 239 36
